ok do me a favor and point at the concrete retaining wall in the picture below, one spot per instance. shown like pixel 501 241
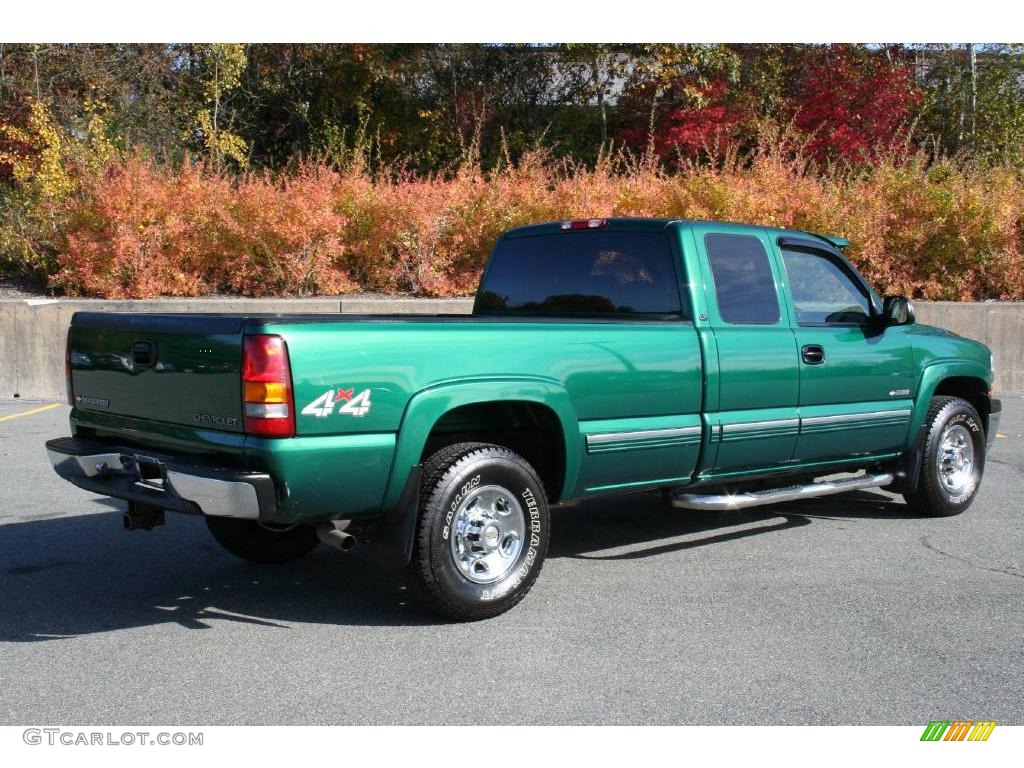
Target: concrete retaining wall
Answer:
pixel 1000 324
pixel 32 332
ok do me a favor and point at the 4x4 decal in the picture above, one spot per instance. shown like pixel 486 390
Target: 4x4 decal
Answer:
pixel 351 404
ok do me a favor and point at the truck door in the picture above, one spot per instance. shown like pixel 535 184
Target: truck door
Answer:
pixel 856 377
pixel 753 422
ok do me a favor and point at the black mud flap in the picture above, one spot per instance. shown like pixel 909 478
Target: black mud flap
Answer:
pixel 907 479
pixel 392 540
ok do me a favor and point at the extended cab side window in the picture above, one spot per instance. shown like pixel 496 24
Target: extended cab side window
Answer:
pixel 744 284
pixel 824 293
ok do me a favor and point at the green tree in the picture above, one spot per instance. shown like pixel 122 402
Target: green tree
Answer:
pixel 999 122
pixel 974 103
pixel 218 69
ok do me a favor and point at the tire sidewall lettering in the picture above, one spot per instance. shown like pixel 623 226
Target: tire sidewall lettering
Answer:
pixel 521 571
pixel 454 505
pixel 966 419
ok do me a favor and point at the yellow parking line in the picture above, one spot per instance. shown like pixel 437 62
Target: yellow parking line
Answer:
pixel 40 409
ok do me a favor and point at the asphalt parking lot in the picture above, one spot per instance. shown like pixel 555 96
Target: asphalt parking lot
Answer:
pixel 838 611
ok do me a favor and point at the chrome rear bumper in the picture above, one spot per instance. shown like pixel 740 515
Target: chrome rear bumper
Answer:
pixel 163 480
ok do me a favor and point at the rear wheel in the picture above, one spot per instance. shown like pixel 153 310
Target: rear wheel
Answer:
pixel 262 542
pixel 952 449
pixel 482 532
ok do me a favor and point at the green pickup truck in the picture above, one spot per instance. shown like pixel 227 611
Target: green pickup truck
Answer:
pixel 728 365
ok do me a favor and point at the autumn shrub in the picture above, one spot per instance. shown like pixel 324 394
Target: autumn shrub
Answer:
pixel 137 230
pixel 932 230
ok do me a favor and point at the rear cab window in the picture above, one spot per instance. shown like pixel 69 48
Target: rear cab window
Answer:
pixel 596 274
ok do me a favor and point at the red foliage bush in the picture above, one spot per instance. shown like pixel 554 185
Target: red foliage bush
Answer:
pixel 685 131
pixel 855 109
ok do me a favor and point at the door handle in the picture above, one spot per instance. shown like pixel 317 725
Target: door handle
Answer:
pixel 813 354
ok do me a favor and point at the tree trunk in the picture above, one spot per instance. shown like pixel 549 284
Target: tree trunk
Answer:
pixel 974 90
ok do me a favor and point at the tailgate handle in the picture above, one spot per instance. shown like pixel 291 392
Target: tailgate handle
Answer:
pixel 144 353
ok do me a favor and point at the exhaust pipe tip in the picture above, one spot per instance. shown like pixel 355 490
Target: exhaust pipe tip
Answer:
pixel 330 534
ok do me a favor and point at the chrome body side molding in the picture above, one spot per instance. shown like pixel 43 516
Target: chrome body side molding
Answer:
pixel 646 438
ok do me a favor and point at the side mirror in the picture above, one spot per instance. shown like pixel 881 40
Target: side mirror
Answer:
pixel 897 310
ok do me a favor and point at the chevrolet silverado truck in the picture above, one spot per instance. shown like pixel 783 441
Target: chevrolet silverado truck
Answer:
pixel 727 365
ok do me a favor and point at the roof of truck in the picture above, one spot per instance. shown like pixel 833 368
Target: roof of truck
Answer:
pixel 648 224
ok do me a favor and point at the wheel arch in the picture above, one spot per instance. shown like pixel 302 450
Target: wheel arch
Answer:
pixel 964 379
pixel 528 428
pixel 475 409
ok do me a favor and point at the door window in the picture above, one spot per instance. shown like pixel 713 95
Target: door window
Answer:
pixel 823 290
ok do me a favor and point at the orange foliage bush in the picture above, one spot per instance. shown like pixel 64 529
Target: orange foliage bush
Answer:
pixel 932 231
pixel 136 230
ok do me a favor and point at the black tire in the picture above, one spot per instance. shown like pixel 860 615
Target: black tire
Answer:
pixel 259 543
pixel 934 497
pixel 457 501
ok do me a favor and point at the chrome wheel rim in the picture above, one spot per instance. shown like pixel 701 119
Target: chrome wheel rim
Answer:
pixel 488 530
pixel 955 460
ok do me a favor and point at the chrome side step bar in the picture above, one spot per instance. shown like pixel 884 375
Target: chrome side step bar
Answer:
pixel 775 495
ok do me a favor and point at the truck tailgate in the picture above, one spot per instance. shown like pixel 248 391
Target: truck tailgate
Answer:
pixel 179 369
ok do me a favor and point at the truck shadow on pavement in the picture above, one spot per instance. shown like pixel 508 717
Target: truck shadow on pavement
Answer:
pixel 70 576
pixel 604 529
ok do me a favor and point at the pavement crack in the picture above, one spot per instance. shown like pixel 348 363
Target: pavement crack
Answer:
pixel 928 545
pixel 1011 464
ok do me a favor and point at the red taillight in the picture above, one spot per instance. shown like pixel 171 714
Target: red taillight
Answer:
pixel 584 224
pixel 67 370
pixel 267 387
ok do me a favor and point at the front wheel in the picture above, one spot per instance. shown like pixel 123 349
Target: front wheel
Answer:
pixel 952 449
pixel 482 531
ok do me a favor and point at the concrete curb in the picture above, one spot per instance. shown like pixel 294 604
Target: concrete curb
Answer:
pixel 32 331
pixel 407 306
